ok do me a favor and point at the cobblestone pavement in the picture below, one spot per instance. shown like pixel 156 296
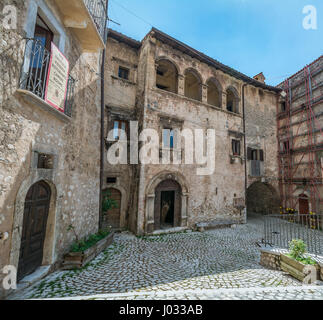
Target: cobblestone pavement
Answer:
pixel 269 293
pixel 216 259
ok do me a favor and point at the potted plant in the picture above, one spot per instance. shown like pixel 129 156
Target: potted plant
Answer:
pixel 83 251
pixel 297 264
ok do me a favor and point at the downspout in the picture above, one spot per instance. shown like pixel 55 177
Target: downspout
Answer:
pixel 102 144
pixel 245 149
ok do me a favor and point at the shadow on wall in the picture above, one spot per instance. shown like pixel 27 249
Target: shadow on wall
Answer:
pixel 262 198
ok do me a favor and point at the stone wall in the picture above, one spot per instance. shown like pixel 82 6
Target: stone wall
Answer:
pixel 270 259
pixel 26 128
pixel 208 197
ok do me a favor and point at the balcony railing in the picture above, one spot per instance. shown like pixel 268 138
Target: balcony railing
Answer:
pixel 98 9
pixel 34 73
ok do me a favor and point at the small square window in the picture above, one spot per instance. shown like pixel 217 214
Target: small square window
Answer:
pixel 111 180
pixel 123 73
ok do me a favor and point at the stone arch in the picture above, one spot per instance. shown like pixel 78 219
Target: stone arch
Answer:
pixel 49 255
pixel 214 92
pixel 262 198
pixel 193 84
pixel 150 198
pixel 167 73
pixel 233 99
pixel 123 207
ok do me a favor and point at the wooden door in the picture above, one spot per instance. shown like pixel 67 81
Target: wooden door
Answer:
pixel 112 216
pixel 34 228
pixel 303 204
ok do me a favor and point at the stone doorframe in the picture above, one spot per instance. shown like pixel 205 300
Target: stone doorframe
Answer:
pixel 150 199
pixel 50 237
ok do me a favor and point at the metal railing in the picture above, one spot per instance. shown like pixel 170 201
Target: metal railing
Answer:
pixel 279 230
pixel 98 11
pixel 34 73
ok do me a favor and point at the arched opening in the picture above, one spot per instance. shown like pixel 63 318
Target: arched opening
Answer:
pixel 166 76
pixel 232 101
pixel 213 93
pixel 112 216
pixel 36 209
pixel 262 199
pixel 193 88
pixel 303 204
pixel 167 205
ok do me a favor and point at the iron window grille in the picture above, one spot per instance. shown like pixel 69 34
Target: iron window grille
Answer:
pixel 34 73
pixel 97 9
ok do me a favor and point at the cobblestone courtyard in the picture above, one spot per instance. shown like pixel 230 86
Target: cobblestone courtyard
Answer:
pixel 183 265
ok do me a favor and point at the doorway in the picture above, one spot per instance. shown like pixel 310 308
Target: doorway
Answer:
pixel 303 205
pixel 167 209
pixel 167 205
pixel 36 210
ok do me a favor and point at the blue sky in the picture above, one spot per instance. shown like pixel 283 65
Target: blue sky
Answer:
pixel 248 35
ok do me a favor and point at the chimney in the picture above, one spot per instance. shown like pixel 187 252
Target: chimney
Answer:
pixel 260 77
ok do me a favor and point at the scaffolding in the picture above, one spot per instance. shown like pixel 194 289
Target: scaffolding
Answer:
pixel 300 137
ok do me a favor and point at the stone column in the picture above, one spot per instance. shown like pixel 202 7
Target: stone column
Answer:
pixel 181 84
pixel 150 213
pixel 184 218
pixel 224 100
pixel 204 93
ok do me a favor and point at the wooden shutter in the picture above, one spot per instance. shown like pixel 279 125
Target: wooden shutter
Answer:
pixel 261 155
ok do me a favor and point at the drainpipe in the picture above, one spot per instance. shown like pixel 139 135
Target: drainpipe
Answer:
pixel 245 149
pixel 102 144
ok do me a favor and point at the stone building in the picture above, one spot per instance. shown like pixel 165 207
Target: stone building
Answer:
pixel 167 86
pixel 49 156
pixel 300 138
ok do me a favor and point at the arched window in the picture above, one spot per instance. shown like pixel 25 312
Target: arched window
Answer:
pixel 193 87
pixel 214 93
pixel 167 76
pixel 232 100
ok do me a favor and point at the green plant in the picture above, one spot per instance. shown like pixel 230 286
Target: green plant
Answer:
pixel 107 202
pixel 297 248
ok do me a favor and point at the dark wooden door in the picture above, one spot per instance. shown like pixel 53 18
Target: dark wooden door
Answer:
pixel 34 228
pixel 303 204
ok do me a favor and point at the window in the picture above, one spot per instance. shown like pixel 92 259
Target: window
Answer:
pixel 255 154
pixel 168 138
pixel 123 73
pixel 236 147
pixel 120 129
pixel 111 180
pixel 232 101
pixel 283 106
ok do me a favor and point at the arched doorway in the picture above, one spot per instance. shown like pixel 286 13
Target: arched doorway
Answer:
pixel 36 210
pixel 303 205
pixel 262 198
pixel 112 216
pixel 167 205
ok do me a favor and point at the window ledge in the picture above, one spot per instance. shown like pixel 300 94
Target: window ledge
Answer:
pixel 123 80
pixel 30 97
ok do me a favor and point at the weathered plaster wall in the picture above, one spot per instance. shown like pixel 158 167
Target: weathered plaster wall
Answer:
pixel 25 127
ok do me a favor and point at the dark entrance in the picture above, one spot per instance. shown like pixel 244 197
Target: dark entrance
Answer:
pixel 167 209
pixel 34 228
pixel 303 205
pixel 167 205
